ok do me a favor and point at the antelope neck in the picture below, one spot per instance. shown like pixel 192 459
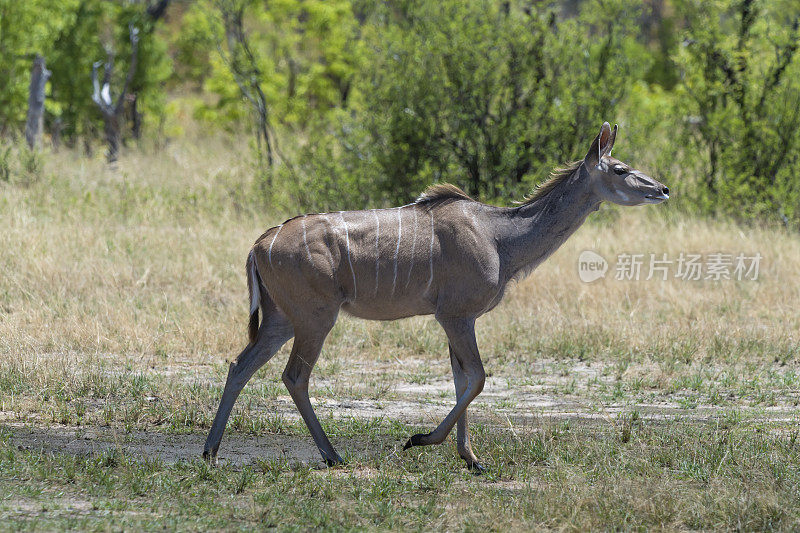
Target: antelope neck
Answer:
pixel 531 232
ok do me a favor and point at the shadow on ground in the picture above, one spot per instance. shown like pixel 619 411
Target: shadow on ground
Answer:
pixel 236 450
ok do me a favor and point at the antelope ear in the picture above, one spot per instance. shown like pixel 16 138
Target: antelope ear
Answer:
pixel 599 145
pixel 611 140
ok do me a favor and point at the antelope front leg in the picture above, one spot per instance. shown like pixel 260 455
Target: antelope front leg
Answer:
pixel 462 426
pixel 461 334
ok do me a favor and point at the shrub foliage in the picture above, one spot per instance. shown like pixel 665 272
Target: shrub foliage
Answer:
pixel 367 103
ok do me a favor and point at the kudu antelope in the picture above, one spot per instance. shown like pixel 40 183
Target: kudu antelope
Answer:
pixel 445 255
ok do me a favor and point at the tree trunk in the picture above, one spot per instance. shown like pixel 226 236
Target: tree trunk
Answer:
pixel 112 134
pixel 113 112
pixel 136 117
pixel 36 96
pixel 55 133
pixel 87 146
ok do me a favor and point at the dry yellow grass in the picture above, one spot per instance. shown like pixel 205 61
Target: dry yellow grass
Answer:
pixel 146 260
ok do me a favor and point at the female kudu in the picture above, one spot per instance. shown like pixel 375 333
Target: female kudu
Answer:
pixel 445 255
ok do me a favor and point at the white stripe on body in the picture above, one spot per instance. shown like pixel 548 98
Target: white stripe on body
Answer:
pixel 349 261
pixel 305 239
pixel 413 246
pixel 269 253
pixel 430 256
pixel 397 249
pixel 377 249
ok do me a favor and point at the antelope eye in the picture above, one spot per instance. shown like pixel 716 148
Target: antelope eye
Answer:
pixel 620 170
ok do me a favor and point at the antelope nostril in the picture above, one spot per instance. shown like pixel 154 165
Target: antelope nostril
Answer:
pixel 665 190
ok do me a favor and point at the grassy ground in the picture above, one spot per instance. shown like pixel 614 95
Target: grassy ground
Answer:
pixel 616 404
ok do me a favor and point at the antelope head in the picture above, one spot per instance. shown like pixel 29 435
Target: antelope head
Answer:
pixel 615 181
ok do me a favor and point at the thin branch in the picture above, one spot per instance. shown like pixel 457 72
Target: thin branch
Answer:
pixel 785 56
pixel 245 72
pixel 134 35
pixel 108 68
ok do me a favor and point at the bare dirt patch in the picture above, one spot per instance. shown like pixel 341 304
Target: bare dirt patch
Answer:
pixel 237 450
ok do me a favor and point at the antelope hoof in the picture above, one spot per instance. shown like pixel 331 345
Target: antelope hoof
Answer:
pixel 476 467
pixel 416 440
pixel 210 457
pixel 333 461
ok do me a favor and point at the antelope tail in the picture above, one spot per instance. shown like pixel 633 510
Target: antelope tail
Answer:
pixel 254 286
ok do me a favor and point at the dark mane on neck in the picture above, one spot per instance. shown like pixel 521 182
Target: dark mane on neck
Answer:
pixel 557 176
pixel 441 192
pixel 446 192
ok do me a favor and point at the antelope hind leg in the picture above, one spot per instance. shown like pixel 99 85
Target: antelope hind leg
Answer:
pixel 274 332
pixel 305 352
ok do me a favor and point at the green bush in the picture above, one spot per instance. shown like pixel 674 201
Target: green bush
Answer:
pixel 304 54
pixel 739 104
pixel 488 95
